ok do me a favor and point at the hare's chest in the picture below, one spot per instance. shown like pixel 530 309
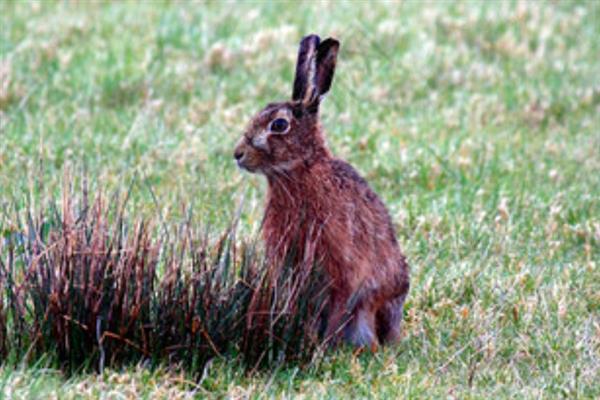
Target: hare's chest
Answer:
pixel 287 228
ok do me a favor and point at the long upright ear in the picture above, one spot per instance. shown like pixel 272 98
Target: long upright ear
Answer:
pixel 326 59
pixel 304 82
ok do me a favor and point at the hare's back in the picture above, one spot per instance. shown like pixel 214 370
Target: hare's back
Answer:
pixel 369 214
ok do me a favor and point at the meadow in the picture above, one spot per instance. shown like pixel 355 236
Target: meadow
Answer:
pixel 478 124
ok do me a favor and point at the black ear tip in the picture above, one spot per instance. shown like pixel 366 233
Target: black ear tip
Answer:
pixel 333 41
pixel 330 43
pixel 315 39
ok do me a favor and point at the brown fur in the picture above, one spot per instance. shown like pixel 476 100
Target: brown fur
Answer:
pixel 321 208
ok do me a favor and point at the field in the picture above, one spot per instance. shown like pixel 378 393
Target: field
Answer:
pixel 476 122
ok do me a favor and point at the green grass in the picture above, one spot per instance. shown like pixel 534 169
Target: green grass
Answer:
pixel 477 123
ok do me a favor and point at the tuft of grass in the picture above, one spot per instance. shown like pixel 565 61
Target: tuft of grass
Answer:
pixel 85 284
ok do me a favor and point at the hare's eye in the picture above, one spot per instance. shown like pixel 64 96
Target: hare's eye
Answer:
pixel 279 125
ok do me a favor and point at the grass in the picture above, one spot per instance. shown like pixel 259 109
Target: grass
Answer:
pixel 476 122
pixel 87 286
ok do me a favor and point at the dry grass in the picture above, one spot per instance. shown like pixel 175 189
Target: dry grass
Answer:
pixel 89 288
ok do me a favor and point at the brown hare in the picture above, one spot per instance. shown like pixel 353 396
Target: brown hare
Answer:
pixel 324 209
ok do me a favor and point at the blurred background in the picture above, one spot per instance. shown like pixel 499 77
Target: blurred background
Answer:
pixel 427 96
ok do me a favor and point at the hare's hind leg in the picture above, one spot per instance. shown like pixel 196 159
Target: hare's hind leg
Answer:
pixel 389 320
pixel 360 331
pixel 356 324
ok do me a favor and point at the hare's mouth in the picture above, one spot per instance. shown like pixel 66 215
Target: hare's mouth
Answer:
pixel 242 164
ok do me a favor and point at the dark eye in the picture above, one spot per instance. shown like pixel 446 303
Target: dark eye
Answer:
pixel 279 125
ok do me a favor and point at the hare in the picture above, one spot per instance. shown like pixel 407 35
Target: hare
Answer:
pixel 325 207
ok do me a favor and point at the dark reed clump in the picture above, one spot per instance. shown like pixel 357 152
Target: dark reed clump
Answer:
pixel 92 287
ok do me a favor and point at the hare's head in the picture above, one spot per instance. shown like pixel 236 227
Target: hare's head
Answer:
pixel 285 135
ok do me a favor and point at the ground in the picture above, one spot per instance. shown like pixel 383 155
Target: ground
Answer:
pixel 476 122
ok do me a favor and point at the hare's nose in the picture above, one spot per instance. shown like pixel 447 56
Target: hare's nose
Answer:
pixel 238 153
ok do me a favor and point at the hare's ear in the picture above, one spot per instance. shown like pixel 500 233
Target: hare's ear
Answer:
pixel 326 59
pixel 304 82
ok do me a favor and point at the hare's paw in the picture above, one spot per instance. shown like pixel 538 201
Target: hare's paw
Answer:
pixel 360 331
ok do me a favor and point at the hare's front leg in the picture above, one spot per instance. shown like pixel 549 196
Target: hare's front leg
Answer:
pixel 337 317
